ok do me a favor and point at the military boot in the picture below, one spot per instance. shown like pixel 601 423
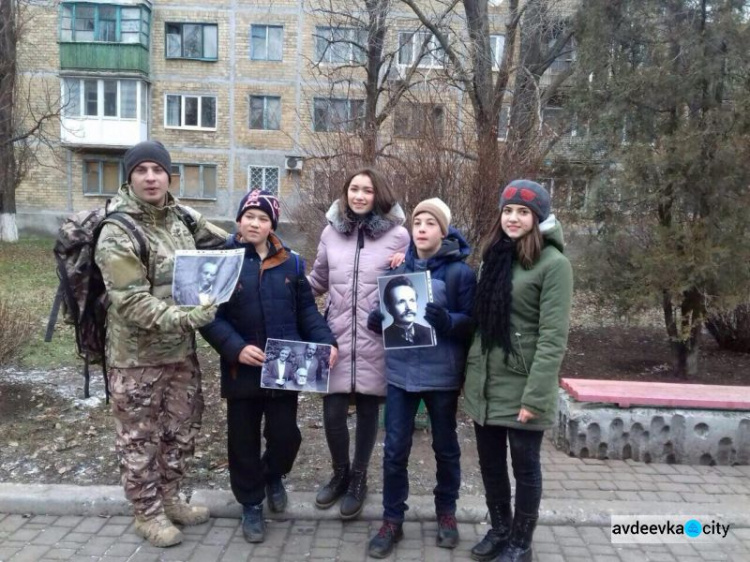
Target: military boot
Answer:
pixel 159 531
pixel 337 485
pixel 497 537
pixel 180 512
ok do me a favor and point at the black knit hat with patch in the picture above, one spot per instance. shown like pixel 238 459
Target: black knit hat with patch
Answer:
pixel 529 194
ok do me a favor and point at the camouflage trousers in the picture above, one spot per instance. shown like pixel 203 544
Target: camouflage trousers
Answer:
pixel 157 414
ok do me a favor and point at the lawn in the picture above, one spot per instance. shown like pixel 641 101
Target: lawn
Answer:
pixel 28 281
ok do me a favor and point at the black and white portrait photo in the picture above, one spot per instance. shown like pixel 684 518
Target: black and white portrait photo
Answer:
pixel 402 301
pixel 205 277
pixel 296 365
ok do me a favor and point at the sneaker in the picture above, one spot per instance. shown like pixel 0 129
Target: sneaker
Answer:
pixel 184 514
pixel 381 545
pixel 253 524
pixel 159 531
pixel 276 496
pixel 447 535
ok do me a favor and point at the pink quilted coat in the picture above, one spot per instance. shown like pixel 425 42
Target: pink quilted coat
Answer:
pixel 351 256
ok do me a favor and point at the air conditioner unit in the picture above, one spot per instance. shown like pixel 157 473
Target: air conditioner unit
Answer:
pixel 294 163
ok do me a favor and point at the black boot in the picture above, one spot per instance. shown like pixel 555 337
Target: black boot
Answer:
pixel 253 524
pixel 354 499
pixel 497 537
pixel 276 495
pixel 381 545
pixel 331 492
pixel 519 545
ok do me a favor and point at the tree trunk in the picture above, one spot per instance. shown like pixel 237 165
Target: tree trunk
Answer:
pixel 8 176
pixel 684 336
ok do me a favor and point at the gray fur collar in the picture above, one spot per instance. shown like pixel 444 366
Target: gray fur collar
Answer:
pixel 374 225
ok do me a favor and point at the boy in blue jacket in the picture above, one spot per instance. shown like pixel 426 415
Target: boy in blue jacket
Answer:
pixel 432 374
pixel 272 300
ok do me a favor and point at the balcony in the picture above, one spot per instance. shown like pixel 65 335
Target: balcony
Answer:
pixel 83 132
pixel 110 57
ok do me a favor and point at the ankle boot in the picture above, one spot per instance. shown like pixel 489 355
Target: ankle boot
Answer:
pixel 337 485
pixel 519 545
pixel 354 499
pixel 253 523
pixel 497 537
pixel 180 512
pixel 276 495
pixel 159 531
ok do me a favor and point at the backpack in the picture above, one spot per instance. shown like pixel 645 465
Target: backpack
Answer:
pixel 81 291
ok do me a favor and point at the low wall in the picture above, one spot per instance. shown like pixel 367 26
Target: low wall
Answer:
pixel 651 434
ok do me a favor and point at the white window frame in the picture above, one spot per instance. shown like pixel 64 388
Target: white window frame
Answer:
pixel 182 97
pixel 497 49
pixel 266 26
pixel 431 54
pixel 201 170
pixel 265 112
pixel 353 35
pixel 265 169
pixel 350 125
pixel 101 161
pixel 139 93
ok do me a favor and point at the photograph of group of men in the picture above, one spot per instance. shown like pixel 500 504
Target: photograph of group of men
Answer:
pixel 294 365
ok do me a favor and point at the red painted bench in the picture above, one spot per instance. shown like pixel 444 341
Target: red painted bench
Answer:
pixel 673 395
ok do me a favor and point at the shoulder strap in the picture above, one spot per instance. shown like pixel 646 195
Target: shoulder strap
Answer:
pixel 187 218
pixel 128 224
pixel 452 282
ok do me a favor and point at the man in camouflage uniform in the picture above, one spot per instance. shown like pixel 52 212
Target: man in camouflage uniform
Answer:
pixel 154 375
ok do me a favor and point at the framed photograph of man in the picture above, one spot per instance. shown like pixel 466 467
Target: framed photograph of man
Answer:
pixel 296 365
pixel 402 301
pixel 205 276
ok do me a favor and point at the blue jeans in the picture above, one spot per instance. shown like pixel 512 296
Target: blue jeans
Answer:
pixel 525 447
pixel 400 411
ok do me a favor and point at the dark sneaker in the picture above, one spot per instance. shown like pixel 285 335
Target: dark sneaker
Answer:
pixel 253 524
pixel 447 535
pixel 276 496
pixel 381 545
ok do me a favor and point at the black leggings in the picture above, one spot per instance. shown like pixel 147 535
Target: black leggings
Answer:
pixel 335 410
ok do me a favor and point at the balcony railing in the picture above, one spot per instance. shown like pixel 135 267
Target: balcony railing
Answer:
pixel 114 57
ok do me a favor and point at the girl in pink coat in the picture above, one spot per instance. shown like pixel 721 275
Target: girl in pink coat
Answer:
pixel 356 247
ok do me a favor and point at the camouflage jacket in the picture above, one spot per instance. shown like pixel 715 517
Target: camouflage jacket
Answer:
pixel 144 327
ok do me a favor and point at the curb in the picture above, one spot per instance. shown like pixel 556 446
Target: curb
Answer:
pixel 58 499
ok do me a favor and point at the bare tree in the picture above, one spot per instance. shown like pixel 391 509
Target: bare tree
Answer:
pixel 26 111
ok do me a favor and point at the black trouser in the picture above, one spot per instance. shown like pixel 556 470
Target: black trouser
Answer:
pixel 335 410
pixel 525 446
pixel 248 470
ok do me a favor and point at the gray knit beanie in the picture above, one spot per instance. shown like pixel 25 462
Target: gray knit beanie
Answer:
pixel 147 151
pixel 529 194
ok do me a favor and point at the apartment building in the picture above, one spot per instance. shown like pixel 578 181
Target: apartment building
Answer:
pixel 241 93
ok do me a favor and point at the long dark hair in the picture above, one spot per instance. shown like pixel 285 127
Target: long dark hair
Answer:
pixel 384 198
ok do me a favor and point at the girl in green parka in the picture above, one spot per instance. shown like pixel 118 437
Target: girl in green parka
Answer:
pixel 522 309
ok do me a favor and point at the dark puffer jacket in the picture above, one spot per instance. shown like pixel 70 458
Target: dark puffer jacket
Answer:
pixel 272 300
pixel 440 367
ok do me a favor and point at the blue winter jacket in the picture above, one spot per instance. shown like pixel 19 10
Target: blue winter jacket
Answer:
pixel 272 300
pixel 440 367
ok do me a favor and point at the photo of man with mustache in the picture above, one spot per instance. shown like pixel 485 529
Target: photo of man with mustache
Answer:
pixel 400 299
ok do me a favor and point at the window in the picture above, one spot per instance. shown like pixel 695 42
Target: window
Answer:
pixel 265 113
pixel 194 181
pixel 420 46
pixel 265 178
pixel 102 177
pixel 418 120
pixel 113 99
pixel 503 121
pixel 337 115
pixel 104 23
pixel 340 45
pixel 497 45
pixel 190 112
pixel 266 42
pixel 192 41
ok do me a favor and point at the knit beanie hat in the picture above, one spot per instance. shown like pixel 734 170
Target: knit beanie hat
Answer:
pixel 263 200
pixel 437 209
pixel 148 151
pixel 529 194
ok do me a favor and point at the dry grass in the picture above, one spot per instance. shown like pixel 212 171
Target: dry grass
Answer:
pixel 17 329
